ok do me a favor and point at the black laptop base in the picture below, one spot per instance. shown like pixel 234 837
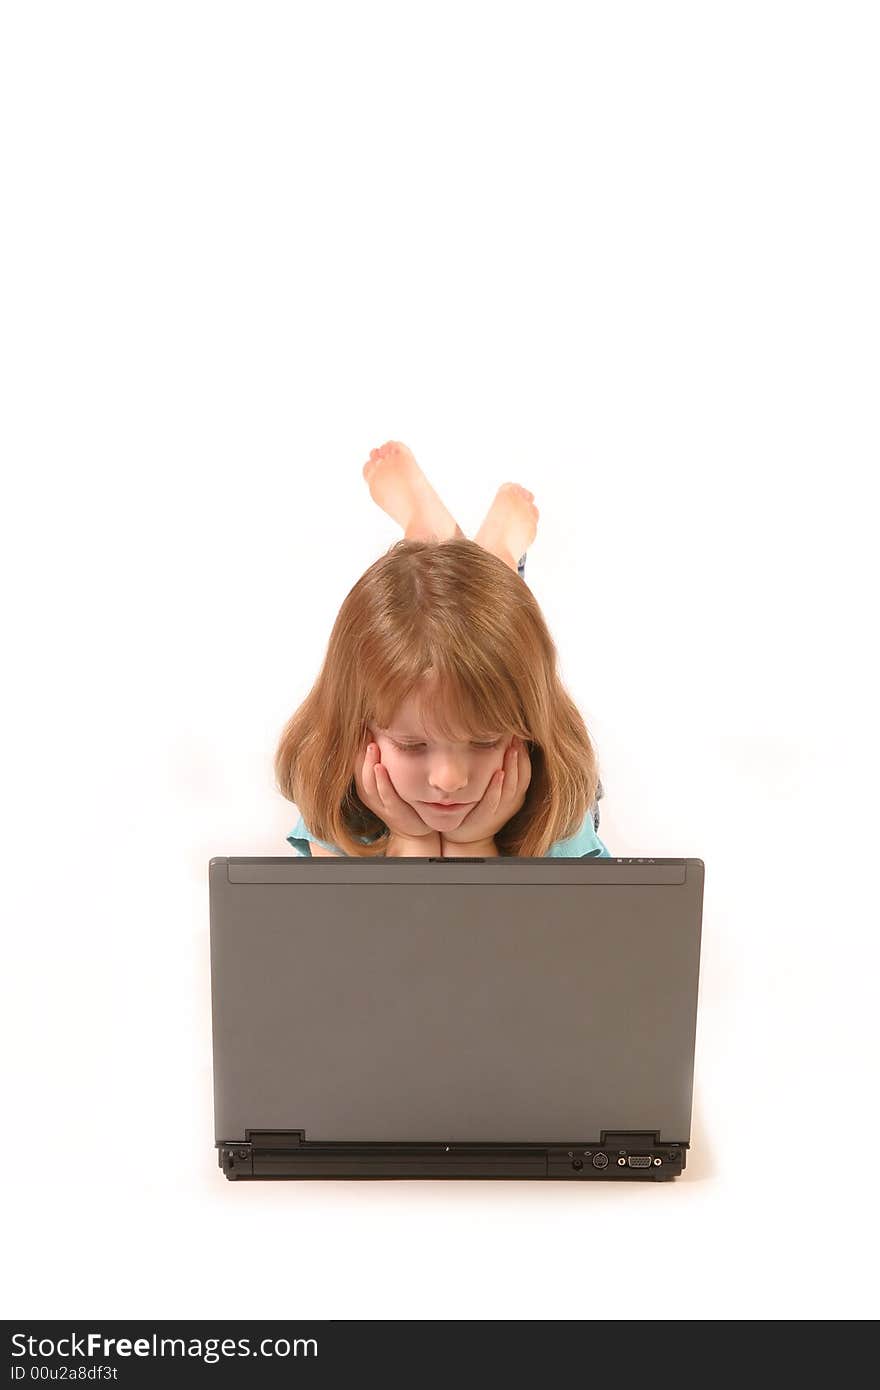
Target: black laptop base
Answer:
pixel 627 1157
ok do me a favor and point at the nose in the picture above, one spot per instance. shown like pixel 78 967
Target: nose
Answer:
pixel 447 776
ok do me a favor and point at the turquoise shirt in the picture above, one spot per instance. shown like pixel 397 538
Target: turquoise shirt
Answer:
pixel 583 845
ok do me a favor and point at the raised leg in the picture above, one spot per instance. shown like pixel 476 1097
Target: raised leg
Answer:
pixel 398 485
pixel 510 525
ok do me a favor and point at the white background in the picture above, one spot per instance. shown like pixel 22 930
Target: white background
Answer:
pixel 625 255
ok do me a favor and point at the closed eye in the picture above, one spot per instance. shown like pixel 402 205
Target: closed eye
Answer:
pixel 418 747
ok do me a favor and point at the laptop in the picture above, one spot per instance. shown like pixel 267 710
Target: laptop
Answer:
pixel 454 1018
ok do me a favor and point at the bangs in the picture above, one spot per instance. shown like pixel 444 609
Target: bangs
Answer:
pixel 451 703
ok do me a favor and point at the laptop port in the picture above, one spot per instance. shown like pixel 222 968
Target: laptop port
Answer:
pixel 600 1160
pixel 639 1160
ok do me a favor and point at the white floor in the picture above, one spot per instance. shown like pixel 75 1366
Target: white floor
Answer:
pixel 115 1203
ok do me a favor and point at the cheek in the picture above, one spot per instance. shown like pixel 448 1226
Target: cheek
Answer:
pixel 399 768
pixel 491 766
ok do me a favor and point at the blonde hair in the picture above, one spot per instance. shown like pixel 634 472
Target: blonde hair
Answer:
pixel 449 622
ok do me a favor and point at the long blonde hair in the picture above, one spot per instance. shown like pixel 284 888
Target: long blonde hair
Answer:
pixel 453 612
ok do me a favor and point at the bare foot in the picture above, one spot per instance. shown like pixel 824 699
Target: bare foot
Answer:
pixel 400 488
pixel 510 525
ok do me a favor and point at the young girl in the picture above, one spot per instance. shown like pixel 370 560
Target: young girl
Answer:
pixel 438 724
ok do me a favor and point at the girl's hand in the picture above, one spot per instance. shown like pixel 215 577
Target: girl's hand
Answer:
pixel 502 799
pixel 377 791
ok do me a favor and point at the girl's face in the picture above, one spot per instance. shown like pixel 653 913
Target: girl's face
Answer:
pixel 426 771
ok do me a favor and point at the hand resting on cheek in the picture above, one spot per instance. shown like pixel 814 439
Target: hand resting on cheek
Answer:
pixel 377 791
pixel 501 800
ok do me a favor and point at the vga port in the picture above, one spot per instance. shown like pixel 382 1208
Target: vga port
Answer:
pixel 639 1160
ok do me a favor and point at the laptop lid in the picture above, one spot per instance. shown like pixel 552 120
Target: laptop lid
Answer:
pixel 504 1000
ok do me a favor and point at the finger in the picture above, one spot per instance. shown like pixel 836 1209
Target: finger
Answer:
pixel 379 776
pixel 524 765
pixel 387 789
pixel 511 770
pixel 368 774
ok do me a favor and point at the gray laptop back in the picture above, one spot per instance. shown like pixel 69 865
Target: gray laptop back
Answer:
pixel 505 1000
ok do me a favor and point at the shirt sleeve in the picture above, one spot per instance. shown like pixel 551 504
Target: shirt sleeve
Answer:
pixel 583 845
pixel 302 839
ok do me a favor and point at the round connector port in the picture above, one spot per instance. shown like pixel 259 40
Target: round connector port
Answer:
pixel 600 1160
pixel 577 1164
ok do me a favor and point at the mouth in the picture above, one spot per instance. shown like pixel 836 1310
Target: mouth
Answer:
pixel 448 805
